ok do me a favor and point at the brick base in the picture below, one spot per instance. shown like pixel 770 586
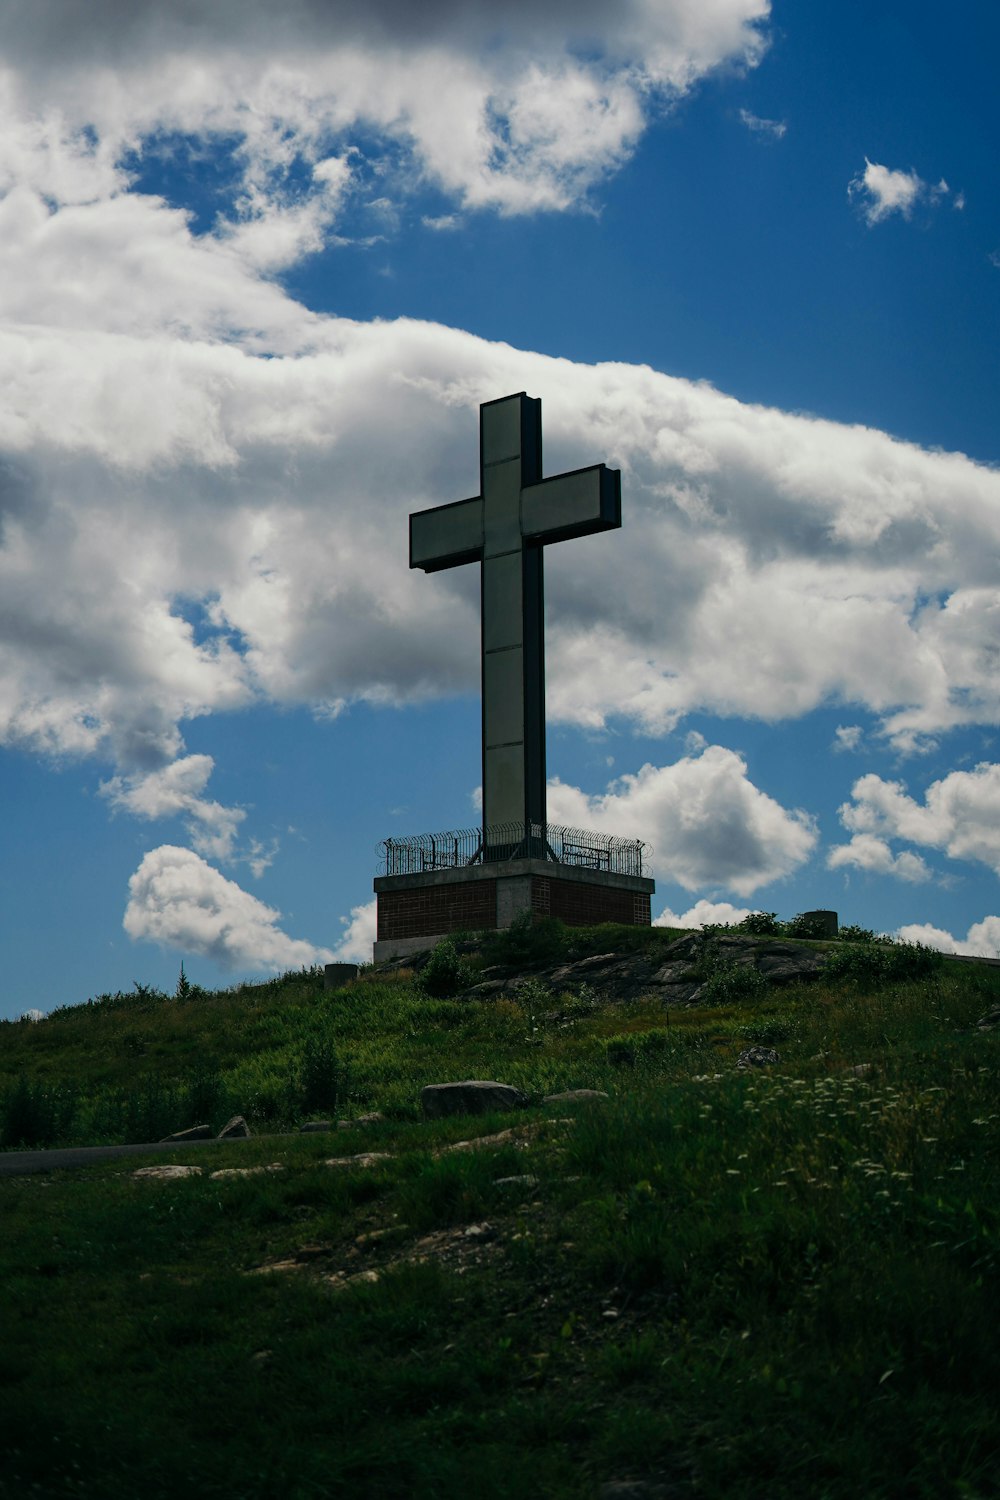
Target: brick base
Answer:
pixel 411 907
pixel 586 905
pixel 471 907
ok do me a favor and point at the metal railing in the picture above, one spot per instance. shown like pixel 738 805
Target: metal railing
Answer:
pixel 489 846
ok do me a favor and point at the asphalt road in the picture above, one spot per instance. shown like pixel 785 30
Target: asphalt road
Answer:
pixel 17 1163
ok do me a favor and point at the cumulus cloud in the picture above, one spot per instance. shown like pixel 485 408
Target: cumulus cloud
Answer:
pixel 866 852
pixel 981 941
pixel 880 191
pixel 356 944
pixel 708 824
pixel 702 914
pixel 960 814
pixel 175 790
pixel 179 901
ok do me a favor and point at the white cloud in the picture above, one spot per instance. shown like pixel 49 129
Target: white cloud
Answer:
pixel 866 852
pixel 981 941
pixel 356 944
pixel 149 470
pixel 708 824
pixel 847 737
pixel 960 815
pixel 180 902
pixel 774 129
pixel 176 428
pixel 702 914
pixel 33 1015
pixel 513 106
pixel 175 790
pixel 881 191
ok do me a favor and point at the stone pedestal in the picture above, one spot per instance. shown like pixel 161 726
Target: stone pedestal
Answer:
pixel 415 911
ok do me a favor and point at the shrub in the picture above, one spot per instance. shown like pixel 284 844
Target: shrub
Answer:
pixel 760 924
pixel 731 983
pixel 445 972
pixel 321 1081
pixel 528 942
pixel 33 1114
pixel 805 924
pixel 875 964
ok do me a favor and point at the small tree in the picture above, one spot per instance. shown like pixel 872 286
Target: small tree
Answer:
pixel 445 972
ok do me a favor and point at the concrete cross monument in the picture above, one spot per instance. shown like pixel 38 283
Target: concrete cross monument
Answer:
pixel 439 883
pixel 505 527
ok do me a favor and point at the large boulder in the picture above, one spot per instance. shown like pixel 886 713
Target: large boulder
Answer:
pixel 234 1129
pixel 473 1096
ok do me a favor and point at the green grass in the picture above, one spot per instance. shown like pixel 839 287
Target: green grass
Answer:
pixel 734 1284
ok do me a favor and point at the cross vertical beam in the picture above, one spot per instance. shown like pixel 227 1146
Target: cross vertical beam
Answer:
pixel 505 527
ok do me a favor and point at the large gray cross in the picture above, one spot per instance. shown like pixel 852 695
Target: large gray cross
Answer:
pixel 505 527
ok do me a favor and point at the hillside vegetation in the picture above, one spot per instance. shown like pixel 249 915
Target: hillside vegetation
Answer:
pixel 719 1280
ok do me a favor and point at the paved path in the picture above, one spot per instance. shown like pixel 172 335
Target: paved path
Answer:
pixel 17 1163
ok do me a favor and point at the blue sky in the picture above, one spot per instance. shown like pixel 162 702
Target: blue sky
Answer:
pixel 257 270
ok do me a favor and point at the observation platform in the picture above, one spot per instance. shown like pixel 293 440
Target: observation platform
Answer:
pixel 473 880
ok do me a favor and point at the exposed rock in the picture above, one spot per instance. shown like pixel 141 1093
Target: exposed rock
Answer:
pixel 675 972
pixel 858 1070
pixel 362 1159
pixel 167 1173
pixel 478 1143
pixel 989 1022
pixel 195 1133
pixel 634 1489
pixel 473 1096
pixel 758 1057
pixel 787 963
pixel 370 1119
pixel 312 1127
pixel 574 1096
pixel 234 1129
pixel 524 1180
pixel 223 1172
pixel 340 1280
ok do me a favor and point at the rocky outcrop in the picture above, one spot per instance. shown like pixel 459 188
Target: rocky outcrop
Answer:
pixel 676 973
pixel 234 1129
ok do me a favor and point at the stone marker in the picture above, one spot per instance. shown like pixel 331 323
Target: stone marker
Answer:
pixel 474 1096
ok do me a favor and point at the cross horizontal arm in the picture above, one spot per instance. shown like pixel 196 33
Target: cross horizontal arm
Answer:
pixel 569 505
pixel 447 535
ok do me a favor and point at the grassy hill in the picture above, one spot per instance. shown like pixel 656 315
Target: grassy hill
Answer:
pixel 719 1280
